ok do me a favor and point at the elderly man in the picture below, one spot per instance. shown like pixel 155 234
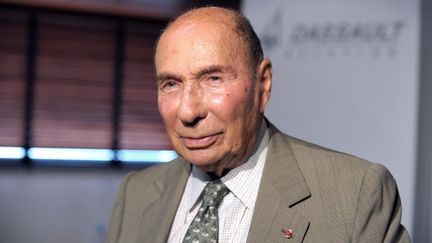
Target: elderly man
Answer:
pixel 238 179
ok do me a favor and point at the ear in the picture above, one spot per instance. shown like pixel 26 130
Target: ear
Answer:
pixel 264 76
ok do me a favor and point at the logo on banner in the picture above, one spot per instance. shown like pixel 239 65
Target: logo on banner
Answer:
pixel 332 39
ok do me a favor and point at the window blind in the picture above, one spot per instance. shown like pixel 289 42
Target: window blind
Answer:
pixel 13 33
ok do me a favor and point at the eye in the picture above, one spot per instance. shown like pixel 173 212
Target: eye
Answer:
pixel 168 85
pixel 214 80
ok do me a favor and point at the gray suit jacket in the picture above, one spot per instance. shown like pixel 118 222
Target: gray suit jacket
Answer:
pixel 321 195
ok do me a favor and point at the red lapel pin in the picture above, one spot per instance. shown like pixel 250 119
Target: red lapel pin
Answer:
pixel 288 233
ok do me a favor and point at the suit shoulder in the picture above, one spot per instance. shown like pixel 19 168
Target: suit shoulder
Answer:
pixel 319 162
pixel 325 156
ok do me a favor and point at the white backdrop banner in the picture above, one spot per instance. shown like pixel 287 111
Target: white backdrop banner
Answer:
pixel 346 77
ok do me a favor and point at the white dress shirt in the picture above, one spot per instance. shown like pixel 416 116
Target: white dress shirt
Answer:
pixel 236 210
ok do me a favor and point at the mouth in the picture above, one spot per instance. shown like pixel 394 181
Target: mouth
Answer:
pixel 199 142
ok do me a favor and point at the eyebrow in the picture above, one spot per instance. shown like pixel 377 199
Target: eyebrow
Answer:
pixel 214 69
pixel 200 73
pixel 166 75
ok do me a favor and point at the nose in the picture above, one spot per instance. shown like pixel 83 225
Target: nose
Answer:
pixel 191 109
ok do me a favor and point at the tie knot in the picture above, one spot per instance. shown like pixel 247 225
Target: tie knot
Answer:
pixel 214 192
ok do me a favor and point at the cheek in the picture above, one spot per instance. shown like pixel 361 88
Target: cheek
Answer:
pixel 223 103
pixel 219 99
pixel 167 108
pixel 228 105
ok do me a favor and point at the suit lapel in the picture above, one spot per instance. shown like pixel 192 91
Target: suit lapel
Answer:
pixel 158 216
pixel 282 186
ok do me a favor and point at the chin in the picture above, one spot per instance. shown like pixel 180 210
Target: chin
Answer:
pixel 201 159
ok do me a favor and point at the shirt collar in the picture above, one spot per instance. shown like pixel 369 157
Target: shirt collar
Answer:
pixel 242 181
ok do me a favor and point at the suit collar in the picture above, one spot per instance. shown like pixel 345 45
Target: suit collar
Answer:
pixel 282 187
pixel 283 171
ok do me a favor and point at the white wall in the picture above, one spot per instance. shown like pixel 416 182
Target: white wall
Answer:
pixel 345 77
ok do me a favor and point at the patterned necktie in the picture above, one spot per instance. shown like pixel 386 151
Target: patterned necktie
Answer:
pixel 205 225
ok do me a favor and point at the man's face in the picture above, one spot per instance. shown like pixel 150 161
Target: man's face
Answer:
pixel 207 96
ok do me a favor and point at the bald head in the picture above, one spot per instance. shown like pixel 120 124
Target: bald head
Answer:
pixel 233 23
